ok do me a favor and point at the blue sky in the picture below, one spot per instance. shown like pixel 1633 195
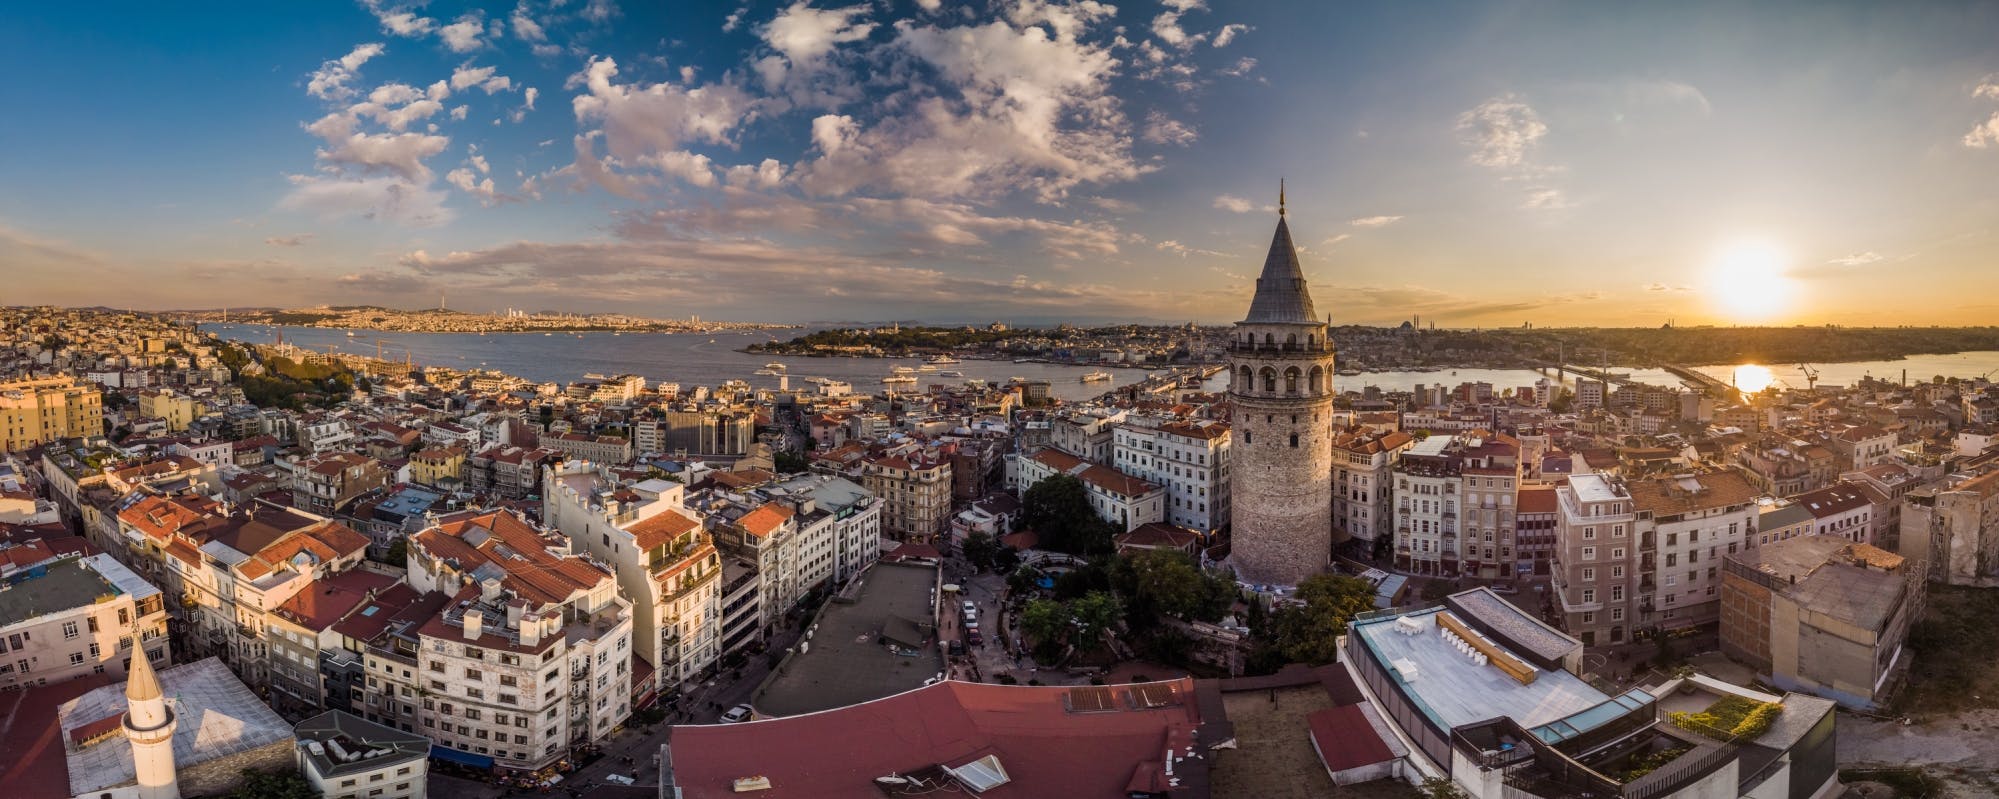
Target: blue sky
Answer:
pixel 1478 164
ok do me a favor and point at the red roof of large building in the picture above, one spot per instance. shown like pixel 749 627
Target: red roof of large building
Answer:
pixel 1086 742
pixel 1345 739
pixel 32 765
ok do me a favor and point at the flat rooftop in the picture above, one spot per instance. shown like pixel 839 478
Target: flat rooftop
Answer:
pixel 63 585
pixel 1453 690
pixel 1593 487
pixel 846 663
pixel 217 715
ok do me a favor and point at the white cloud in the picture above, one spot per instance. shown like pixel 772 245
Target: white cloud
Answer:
pixel 1230 202
pixel 805 34
pixel 1374 221
pixel 1858 259
pixel 653 121
pixel 1166 26
pixel 1162 129
pixel 1544 198
pixel 1665 287
pixel 1010 109
pixel 1066 21
pixel 735 19
pixel 458 114
pixel 765 175
pixel 1183 250
pixel 399 21
pixel 330 81
pixel 467 76
pixel 298 240
pixel 599 11
pixel 1985 134
pixel 1228 33
pixel 525 27
pixel 1242 67
pixel 463 36
pixel 1501 131
pixel 399 153
pixel 1330 241
pixel 472 184
pixel 384 197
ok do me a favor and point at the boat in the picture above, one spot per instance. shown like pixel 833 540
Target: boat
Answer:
pixel 1348 372
pixel 1096 377
pixel 898 380
pixel 548 334
pixel 350 334
pixel 775 366
pixel 943 360
pixel 951 373
pixel 711 341
pixel 767 372
pixel 903 370
pixel 926 368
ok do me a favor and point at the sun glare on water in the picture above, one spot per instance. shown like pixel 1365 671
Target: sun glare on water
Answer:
pixel 1747 282
pixel 1752 378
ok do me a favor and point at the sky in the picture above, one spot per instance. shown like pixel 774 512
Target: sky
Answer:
pixel 1029 161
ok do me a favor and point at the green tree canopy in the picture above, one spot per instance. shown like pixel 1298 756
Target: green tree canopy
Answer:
pixel 978 549
pixel 1058 510
pixel 1169 582
pixel 1045 620
pixel 1094 613
pixel 1309 633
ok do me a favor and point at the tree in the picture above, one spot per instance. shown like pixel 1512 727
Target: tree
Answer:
pixel 1441 788
pixel 1023 579
pixel 398 554
pixel 1166 581
pixel 1310 633
pixel 791 462
pixel 1045 620
pixel 1058 510
pixel 1561 401
pixel 284 784
pixel 978 549
pixel 1093 614
pixel 170 364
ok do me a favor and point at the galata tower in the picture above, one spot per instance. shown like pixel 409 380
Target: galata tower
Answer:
pixel 1282 389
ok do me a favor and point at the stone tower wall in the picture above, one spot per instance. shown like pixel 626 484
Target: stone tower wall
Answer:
pixel 1282 516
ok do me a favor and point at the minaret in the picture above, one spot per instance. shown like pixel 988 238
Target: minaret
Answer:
pixel 1281 461
pixel 149 725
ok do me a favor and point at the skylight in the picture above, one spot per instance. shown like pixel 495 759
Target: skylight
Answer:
pixel 981 775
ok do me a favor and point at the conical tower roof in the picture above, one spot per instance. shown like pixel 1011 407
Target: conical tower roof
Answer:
pixel 141 683
pixel 1281 295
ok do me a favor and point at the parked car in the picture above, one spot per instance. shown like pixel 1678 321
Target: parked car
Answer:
pixel 736 714
pixel 957 648
pixel 972 638
pixel 968 608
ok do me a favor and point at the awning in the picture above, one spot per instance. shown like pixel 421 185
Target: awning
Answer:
pixel 450 755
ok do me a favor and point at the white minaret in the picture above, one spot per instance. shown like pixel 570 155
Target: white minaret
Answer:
pixel 149 725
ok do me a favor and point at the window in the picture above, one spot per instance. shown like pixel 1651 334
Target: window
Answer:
pixel 1589 534
pixel 76 658
pixel 69 630
pixel 1617 593
pixel 1617 614
pixel 1589 553
pixel 1589 574
pixel 1617 572
pixel 1589 595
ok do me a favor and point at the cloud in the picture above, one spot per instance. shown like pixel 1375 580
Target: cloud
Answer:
pixel 1003 110
pixel 1985 134
pixel 390 198
pixel 1162 129
pixel 471 183
pixel 1858 259
pixel 1335 239
pixel 1386 303
pixel 1228 33
pixel 1066 21
pixel 399 153
pixel 463 36
pixel 1166 26
pixel 330 81
pixel 1501 131
pixel 1230 202
pixel 1374 221
pixel 399 21
pixel 467 76
pixel 298 240
pixel 1665 287
pixel 735 19
pixel 1183 251
pixel 1544 198
pixel 1241 68
pixel 643 123
pixel 599 11
pixel 525 27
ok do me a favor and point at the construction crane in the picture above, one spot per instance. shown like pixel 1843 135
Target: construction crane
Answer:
pixel 1811 377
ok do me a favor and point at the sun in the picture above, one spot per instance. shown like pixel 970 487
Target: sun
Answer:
pixel 1747 281
pixel 1752 378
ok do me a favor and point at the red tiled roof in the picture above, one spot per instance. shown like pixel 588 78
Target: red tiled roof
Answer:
pixel 32 765
pixel 532 573
pixel 765 520
pixel 1537 500
pixel 1046 749
pixel 660 528
pixel 326 601
pixel 1345 740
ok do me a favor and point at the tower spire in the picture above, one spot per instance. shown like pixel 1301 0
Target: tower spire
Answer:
pixel 1280 196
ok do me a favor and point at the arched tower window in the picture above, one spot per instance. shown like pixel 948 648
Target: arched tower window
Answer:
pixel 1294 440
pixel 1291 340
pixel 1269 340
pixel 1311 340
pixel 1269 380
pixel 1315 384
pixel 1291 380
pixel 1246 382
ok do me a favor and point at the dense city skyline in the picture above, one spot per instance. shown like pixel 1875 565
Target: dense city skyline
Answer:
pixel 1476 165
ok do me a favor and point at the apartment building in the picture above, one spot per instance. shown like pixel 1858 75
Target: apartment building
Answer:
pixel 728 431
pixel 582 446
pixel 1687 525
pixel 1596 579
pixel 41 410
pixel 1126 502
pixel 67 616
pixel 915 492
pixel 1821 614
pixel 1491 478
pixel 665 562
pixel 532 651
pixel 1951 528
pixel 1189 459
pixel 171 407
pixel 329 483
pixel 1427 531
pixel 1840 509
pixel 381 762
pixel 1363 491
pixel 507 471
pixel 439 467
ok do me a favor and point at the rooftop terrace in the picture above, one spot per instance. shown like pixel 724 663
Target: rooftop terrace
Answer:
pixel 846 663
pixel 1453 690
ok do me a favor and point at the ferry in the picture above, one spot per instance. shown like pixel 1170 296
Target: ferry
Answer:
pixel 951 373
pixel 775 366
pixel 350 334
pixel 767 372
pixel 943 360
pixel 926 368
pixel 898 380
pixel 902 370
pixel 1096 377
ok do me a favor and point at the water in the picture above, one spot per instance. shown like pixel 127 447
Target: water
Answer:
pixel 691 359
